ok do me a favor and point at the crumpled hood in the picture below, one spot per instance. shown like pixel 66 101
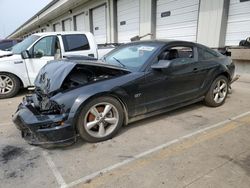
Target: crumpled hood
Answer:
pixel 52 75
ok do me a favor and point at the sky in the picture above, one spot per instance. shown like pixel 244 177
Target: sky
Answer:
pixel 13 13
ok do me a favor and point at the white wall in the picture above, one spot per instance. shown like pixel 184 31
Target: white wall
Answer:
pixel 238 24
pixel 212 19
pixel 212 16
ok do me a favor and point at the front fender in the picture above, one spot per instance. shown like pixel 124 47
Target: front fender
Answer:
pixel 83 99
pixel 73 100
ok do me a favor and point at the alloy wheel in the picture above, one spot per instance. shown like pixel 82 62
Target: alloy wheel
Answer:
pixel 220 91
pixel 6 84
pixel 101 120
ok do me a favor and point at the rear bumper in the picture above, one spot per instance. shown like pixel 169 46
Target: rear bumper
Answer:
pixel 44 130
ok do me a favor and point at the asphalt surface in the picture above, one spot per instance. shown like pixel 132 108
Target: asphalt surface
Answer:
pixel 195 146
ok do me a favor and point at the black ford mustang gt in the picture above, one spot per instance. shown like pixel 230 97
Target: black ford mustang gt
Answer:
pixel 137 80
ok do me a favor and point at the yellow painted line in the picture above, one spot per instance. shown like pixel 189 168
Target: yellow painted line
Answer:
pixel 163 151
pixel 162 154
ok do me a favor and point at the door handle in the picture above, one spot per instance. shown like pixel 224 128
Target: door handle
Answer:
pixel 195 70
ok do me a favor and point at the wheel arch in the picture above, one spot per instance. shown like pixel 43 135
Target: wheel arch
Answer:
pixel 101 94
pixel 226 74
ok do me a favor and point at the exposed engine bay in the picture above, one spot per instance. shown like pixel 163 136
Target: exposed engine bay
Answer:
pixel 79 76
pixel 82 75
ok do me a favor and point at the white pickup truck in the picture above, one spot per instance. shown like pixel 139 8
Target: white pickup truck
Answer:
pixel 20 66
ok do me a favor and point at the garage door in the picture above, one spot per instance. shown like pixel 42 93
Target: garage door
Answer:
pixel 79 22
pixel 127 19
pixel 57 27
pixel 67 25
pixel 99 24
pixel 238 25
pixel 177 19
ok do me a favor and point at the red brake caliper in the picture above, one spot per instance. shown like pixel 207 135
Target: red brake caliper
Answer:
pixel 91 117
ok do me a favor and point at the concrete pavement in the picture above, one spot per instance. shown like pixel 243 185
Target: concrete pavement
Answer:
pixel 195 146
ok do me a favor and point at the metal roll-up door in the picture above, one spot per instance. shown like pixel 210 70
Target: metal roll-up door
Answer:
pixel 238 24
pixel 57 27
pixel 67 25
pixel 99 24
pixel 79 22
pixel 177 19
pixel 128 19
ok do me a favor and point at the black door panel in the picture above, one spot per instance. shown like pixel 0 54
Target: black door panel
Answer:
pixel 180 83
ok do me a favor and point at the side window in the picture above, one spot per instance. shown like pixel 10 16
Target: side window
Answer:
pixel 44 47
pixel 206 54
pixel 5 45
pixel 75 42
pixel 182 54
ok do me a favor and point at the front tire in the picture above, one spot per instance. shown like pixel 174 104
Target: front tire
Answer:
pixel 100 119
pixel 217 93
pixel 9 85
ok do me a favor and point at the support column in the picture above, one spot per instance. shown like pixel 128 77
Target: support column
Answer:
pixel 113 20
pixel 147 18
pixel 212 22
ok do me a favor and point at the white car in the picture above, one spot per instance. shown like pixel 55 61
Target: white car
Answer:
pixel 20 67
pixel 5 53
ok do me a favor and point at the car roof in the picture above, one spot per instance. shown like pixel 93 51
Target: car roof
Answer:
pixel 163 42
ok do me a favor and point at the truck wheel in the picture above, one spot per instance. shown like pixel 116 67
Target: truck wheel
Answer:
pixel 100 119
pixel 9 85
pixel 217 93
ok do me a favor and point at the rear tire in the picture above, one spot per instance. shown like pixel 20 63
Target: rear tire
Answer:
pixel 9 85
pixel 100 119
pixel 217 92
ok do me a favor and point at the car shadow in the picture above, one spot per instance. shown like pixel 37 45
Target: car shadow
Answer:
pixel 243 163
pixel 23 92
pixel 155 118
pixel 143 122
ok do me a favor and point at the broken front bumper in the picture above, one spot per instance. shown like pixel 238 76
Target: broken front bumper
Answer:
pixel 39 129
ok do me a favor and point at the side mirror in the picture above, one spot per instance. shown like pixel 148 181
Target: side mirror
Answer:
pixel 25 54
pixel 161 65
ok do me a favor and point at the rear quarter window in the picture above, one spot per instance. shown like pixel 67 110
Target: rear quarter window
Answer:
pixel 206 54
pixel 75 42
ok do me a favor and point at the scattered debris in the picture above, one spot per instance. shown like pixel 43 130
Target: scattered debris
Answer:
pixel 200 116
pixel 11 152
pixel 11 175
pixel 88 181
pixel 13 169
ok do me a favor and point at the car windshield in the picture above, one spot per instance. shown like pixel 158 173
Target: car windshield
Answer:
pixel 132 57
pixel 22 46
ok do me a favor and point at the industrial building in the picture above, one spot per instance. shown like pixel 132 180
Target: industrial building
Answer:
pixel 216 23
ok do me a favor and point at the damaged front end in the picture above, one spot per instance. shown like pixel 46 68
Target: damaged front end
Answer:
pixel 43 118
pixel 43 126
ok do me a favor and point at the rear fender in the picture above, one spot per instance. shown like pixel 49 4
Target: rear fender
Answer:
pixel 214 73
